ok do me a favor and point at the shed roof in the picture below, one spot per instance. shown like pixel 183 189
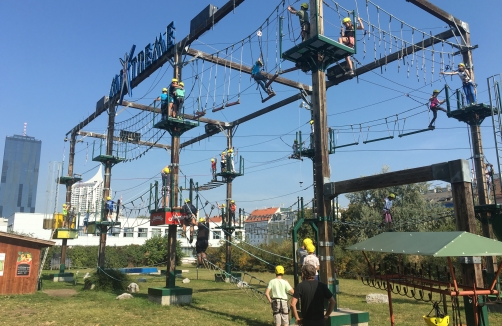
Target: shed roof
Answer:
pixel 436 244
pixel 13 236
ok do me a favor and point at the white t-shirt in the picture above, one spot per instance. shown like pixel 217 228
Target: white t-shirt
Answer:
pixel 388 204
pixel 311 259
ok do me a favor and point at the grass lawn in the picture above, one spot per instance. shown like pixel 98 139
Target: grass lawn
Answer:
pixel 213 304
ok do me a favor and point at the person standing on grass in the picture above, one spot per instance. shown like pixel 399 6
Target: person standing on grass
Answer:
pixel 312 294
pixel 279 299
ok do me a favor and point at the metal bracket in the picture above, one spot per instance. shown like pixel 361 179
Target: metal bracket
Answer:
pixel 325 244
pixel 326 258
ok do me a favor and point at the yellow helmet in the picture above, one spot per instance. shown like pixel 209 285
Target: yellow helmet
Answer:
pixel 311 122
pixel 223 153
pixel 223 205
pixel 279 270
pixel 187 200
pixel 174 80
pixel 310 248
pixel 232 201
pixel 212 160
pixel 392 196
pixel 108 198
pixel 182 84
pixel 461 65
pixel 346 20
pixel 164 89
pixel 304 5
pixel 166 169
pixel 64 205
pixel 202 220
pixel 307 241
pixel 435 91
pixel 230 150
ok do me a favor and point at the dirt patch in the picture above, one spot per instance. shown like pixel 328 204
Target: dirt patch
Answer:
pixel 61 293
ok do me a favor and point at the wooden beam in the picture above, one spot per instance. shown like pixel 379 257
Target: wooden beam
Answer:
pixel 141 142
pixel 441 14
pixel 168 55
pixel 393 57
pixel 452 171
pixel 246 69
pixel 186 116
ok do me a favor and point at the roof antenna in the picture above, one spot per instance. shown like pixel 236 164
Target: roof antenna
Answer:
pixel 24 129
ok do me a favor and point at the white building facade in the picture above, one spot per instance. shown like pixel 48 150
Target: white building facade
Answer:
pixel 88 196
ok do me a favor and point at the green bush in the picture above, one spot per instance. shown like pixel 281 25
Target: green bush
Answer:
pixel 108 280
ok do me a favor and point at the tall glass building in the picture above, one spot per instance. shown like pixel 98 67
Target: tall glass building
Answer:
pixel 19 179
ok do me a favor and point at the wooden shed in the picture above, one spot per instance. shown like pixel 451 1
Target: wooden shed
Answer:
pixel 20 262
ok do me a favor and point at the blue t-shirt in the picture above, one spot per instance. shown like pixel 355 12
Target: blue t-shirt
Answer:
pixel 109 205
pixel 256 69
pixel 163 97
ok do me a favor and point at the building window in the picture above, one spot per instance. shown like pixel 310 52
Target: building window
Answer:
pixel 216 235
pixel 19 195
pixel 238 234
pixel 156 232
pixel 166 231
pixel 128 232
pixel 142 232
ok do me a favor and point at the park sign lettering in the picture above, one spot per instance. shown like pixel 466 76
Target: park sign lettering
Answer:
pixel 132 67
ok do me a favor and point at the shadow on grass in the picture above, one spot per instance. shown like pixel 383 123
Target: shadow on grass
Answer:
pixel 396 298
pixel 232 317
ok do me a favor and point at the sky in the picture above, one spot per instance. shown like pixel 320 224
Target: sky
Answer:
pixel 59 58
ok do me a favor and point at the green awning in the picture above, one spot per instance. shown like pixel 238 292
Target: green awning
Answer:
pixel 437 244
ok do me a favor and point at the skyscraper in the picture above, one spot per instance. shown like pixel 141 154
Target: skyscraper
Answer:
pixel 88 196
pixel 18 183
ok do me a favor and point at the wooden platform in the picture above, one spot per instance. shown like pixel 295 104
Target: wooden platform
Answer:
pixel 108 158
pixel 176 126
pixel 472 114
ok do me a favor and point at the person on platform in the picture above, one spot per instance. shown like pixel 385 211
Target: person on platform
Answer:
pixel 233 208
pixel 303 15
pixel 179 99
pixel 312 294
pixel 434 107
pixel 311 259
pixel 213 168
pixel 230 160
pixel 302 251
pixel 223 161
pixel 467 84
pixel 258 76
pixel 190 213
pixel 202 240
pixel 164 104
pixel 172 95
pixel 166 185
pixel 279 289
pixel 86 221
pixel 347 38
pixel 489 177
pixel 386 212
pixel 109 208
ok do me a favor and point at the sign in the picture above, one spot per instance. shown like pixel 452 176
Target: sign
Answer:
pixel 23 264
pixel 165 218
pixel 2 263
pixel 133 67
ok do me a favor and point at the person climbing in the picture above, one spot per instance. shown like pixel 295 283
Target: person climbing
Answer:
pixel 164 103
pixel 179 99
pixel 303 15
pixel 230 160
pixel 86 221
pixel 279 299
pixel 296 149
pixel 347 38
pixel 312 294
pixel 65 214
pixel 386 212
pixel 223 161
pixel 232 208
pixel 213 168
pixel 434 107
pixel 222 207
pixel 257 75
pixel 166 185
pixel 302 251
pixel 467 83
pixel 311 259
pixel 202 240
pixel 109 208
pixel 311 134
pixel 489 177
pixel 172 95
pixel 190 213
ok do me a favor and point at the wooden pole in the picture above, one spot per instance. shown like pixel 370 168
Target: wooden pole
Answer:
pixel 175 160
pixel 321 158
pixel 71 159
pixel 228 223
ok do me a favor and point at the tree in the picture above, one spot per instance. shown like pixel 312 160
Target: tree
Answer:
pixel 156 251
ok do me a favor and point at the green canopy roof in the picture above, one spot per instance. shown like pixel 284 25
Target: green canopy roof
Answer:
pixel 437 244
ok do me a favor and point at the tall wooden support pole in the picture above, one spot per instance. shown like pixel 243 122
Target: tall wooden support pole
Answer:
pixel 71 159
pixel 103 229
pixel 228 223
pixel 321 158
pixel 175 160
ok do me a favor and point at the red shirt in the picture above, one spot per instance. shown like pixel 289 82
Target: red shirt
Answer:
pixel 213 165
pixel 233 207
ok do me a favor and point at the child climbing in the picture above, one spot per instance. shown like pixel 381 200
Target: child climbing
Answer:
pixel 109 208
pixel 230 160
pixel 434 107
pixel 190 218
pixel 303 15
pixel 166 185
pixel 386 216
pixel 223 161
pixel 233 208
pixel 179 99
pixel 213 168
pixel 257 75
pixel 172 95
pixel 348 38
pixel 164 103
pixel 467 83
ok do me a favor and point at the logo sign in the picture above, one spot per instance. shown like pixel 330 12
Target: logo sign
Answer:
pixel 135 66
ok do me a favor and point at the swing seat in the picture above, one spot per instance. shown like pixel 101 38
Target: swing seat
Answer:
pixel 305 54
pixel 268 97
pixel 227 105
pixel 416 132
pixel 437 321
pixel 108 158
pixel 199 114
